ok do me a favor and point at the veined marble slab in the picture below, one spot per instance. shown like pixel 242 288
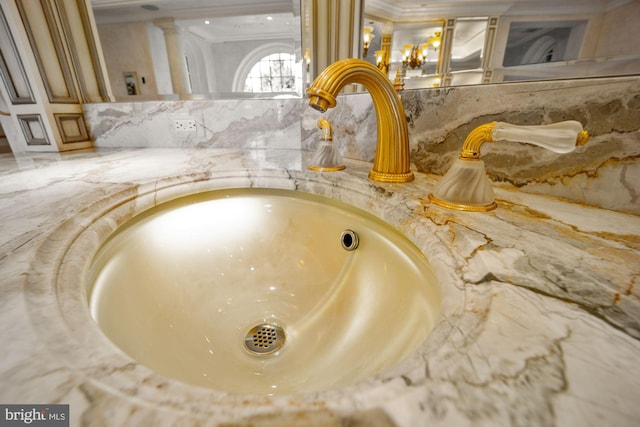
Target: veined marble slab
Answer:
pixel 540 323
pixel 603 173
pixel 252 123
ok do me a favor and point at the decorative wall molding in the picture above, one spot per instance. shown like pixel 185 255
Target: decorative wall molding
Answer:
pixel 71 127
pixel 33 129
pixel 44 37
pixel 11 67
pixel 75 20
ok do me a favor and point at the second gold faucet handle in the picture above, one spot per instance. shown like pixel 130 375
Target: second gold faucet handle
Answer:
pixel 327 132
pixel 561 137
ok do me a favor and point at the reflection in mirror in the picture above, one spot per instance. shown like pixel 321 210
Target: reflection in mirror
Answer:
pixel 536 42
pixel 200 49
pixel 467 50
pixel 493 41
pixel 412 47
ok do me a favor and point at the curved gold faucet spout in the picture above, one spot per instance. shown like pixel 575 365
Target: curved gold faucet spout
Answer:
pixel 392 162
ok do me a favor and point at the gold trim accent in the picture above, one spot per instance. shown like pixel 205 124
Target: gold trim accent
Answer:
pixel 391 177
pixel 398 81
pixel 321 99
pixel 321 169
pixel 391 163
pixel 462 207
pixel 582 138
pixel 477 137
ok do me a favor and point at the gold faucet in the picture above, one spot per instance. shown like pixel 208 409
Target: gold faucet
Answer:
pixel 391 163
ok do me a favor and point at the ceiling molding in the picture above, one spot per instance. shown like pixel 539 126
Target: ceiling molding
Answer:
pixel 118 11
pixel 424 10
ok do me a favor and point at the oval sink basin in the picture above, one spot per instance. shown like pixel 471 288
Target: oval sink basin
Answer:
pixel 263 291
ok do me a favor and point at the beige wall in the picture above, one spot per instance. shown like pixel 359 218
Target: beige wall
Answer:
pixel 619 34
pixel 126 48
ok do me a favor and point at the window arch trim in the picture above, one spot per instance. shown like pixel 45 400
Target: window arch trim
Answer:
pixel 253 57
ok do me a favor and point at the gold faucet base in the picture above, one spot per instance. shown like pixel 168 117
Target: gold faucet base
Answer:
pixel 391 177
pixel 327 169
pixel 461 207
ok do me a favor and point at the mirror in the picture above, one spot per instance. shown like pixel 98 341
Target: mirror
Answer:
pixel 200 49
pixel 483 42
pixel 493 41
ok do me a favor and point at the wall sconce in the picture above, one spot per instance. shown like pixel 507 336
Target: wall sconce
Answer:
pixel 435 40
pixel 307 58
pixel 367 36
pixel 382 60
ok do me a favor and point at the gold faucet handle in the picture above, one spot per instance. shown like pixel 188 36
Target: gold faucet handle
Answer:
pixel 561 137
pixel 327 132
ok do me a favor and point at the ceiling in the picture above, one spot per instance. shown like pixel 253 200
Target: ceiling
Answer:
pixel 111 11
pixel 214 20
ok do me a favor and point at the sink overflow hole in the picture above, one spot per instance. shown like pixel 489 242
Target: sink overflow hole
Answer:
pixel 349 240
pixel 265 338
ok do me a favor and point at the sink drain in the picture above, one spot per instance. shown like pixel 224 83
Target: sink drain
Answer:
pixel 265 338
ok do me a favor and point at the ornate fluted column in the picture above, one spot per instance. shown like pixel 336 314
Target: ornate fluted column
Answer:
pixel 175 52
pixel 333 31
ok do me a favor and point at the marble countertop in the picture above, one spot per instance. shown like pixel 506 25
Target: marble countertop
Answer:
pixel 540 322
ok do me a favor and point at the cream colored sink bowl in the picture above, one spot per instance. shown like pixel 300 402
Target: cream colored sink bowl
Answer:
pixel 252 291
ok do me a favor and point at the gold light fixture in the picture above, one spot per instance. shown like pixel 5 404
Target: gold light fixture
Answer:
pixel 398 81
pixel 382 60
pixel 367 36
pixel 307 58
pixel 414 56
pixel 435 40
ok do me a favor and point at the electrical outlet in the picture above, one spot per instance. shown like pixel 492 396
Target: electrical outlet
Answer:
pixel 185 125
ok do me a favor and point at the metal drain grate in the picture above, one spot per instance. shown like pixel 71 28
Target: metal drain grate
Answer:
pixel 265 338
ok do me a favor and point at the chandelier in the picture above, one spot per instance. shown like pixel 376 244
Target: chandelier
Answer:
pixel 414 56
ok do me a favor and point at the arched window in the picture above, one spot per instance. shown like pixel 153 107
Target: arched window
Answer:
pixel 273 73
pixel 268 69
pixel 541 50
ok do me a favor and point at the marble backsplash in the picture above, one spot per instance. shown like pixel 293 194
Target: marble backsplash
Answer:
pixel 604 173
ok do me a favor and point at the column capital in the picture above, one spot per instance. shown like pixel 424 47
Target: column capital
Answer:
pixel 167 25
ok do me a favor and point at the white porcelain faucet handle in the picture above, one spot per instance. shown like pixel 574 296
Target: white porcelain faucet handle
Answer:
pixel 561 137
